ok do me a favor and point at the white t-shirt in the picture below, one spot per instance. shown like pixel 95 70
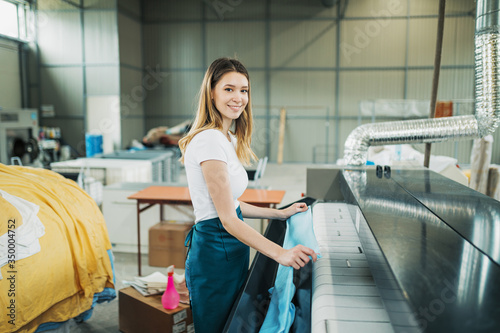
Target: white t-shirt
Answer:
pixel 211 144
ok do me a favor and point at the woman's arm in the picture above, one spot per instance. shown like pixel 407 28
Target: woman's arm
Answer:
pixel 217 179
pixel 255 212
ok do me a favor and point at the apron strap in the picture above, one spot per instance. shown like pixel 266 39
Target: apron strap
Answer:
pixel 189 239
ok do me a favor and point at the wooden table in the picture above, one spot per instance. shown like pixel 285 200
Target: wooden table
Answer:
pixel 168 195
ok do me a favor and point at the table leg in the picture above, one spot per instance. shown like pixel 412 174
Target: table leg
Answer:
pixel 139 237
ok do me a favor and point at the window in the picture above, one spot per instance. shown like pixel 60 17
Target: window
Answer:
pixel 14 19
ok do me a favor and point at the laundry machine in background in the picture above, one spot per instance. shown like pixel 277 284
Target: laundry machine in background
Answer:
pixel 18 135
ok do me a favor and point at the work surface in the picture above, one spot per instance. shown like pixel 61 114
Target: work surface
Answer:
pixel 180 195
pixel 174 195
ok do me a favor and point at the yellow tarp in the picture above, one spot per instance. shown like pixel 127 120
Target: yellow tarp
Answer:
pixel 59 282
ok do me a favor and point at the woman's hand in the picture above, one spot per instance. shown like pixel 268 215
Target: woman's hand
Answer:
pixel 296 257
pixel 294 209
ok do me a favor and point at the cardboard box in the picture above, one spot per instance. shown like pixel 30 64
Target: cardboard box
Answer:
pixel 166 243
pixel 444 109
pixel 138 314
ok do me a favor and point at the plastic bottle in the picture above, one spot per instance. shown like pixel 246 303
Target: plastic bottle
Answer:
pixel 170 298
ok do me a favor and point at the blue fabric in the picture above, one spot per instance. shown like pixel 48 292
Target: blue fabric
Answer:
pixel 281 311
pixel 107 295
pixel 216 268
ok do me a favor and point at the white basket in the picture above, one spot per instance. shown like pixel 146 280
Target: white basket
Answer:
pixel 108 171
pixel 93 187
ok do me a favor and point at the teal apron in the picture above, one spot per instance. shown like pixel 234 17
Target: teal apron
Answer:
pixel 216 268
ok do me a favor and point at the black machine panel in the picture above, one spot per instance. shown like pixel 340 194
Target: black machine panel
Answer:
pixel 437 242
pixel 474 216
pixel 434 234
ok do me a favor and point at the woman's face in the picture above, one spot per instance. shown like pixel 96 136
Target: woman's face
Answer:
pixel 230 95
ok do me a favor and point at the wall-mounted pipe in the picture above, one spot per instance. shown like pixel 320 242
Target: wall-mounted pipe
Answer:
pixel 487 104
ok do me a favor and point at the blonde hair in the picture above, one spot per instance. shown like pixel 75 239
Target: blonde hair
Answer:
pixel 208 117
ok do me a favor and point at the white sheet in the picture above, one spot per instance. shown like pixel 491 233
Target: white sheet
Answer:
pixel 26 235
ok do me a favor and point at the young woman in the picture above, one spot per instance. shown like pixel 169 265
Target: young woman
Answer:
pixel 218 257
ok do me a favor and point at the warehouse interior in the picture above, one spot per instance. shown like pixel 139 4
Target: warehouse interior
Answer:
pixel 112 70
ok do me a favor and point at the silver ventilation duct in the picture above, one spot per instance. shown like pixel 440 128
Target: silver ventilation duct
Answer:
pixel 487 115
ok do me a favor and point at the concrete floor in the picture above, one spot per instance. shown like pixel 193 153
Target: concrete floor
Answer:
pixel 288 177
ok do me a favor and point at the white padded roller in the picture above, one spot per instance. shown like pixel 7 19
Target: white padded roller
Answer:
pixel 344 295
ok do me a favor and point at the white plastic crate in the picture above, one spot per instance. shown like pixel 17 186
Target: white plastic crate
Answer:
pixel 164 161
pixel 108 171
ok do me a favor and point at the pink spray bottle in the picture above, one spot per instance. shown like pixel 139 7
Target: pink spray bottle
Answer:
pixel 170 298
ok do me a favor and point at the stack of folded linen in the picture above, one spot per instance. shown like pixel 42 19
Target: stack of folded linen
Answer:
pixel 156 283
pixel 151 284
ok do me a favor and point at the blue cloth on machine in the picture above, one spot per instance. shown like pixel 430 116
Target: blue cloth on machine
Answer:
pixel 281 312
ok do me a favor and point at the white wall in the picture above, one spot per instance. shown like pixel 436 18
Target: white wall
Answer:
pixel 153 54
pixel 133 89
pixel 10 76
pixel 299 57
pixel 89 56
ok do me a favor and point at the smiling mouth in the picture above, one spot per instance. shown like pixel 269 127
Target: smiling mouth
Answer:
pixel 234 108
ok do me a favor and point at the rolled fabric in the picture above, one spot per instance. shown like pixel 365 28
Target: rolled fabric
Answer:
pixel 494 182
pixel 480 163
